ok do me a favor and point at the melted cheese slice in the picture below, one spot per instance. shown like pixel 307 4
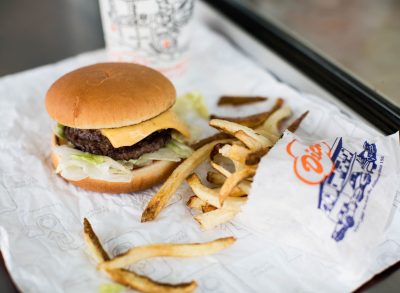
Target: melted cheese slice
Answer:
pixel 129 135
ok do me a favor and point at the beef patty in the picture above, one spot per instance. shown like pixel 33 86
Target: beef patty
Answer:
pixel 92 141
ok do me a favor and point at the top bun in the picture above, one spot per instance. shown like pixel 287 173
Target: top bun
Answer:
pixel 109 95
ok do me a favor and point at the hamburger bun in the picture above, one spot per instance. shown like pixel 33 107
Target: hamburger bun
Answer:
pixel 109 95
pixel 143 177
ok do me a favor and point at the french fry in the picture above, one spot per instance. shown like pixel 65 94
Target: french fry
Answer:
pixel 215 178
pixel 211 196
pixel 139 253
pixel 270 128
pixel 207 140
pixel 159 201
pixel 220 169
pixel 203 192
pixel 234 203
pixel 128 278
pixel 240 100
pixel 145 284
pixel 255 120
pixel 235 152
pixel 251 121
pixel 250 142
pixel 296 123
pixel 255 157
pixel 196 203
pixel 208 208
pixel 93 242
pixel 244 185
pixel 249 137
pixel 278 104
pixel 215 150
pixel 237 192
pixel 233 180
pixel 214 218
pixel 219 179
pixel 199 204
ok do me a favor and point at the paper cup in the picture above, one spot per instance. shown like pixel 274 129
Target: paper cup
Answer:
pixel 154 33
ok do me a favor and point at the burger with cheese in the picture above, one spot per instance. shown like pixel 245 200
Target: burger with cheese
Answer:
pixel 116 130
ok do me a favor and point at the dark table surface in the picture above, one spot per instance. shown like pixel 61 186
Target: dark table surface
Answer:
pixel 34 33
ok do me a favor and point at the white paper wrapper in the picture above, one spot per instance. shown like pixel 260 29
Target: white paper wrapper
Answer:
pixel 331 198
pixel 41 216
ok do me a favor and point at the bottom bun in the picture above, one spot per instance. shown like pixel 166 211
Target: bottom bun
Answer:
pixel 143 178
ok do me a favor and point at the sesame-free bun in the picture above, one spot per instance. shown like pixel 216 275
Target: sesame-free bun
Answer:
pixel 109 95
pixel 143 177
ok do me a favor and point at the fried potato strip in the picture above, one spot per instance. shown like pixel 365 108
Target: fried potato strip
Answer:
pixel 240 100
pixel 139 253
pixel 255 120
pixel 128 278
pixel 174 181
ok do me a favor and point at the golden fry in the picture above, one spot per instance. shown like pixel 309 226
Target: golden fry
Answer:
pixel 174 181
pixel 231 203
pixel 235 152
pixel 211 196
pixel 93 242
pixel 270 128
pixel 214 218
pixel 203 192
pixel 250 142
pixel 215 150
pixel 127 278
pixel 252 121
pixel 255 157
pixel 244 185
pixel 145 284
pixel 237 192
pixel 240 100
pixel 207 140
pixel 234 203
pixel 233 180
pixel 248 136
pixel 296 123
pixel 219 179
pixel 215 178
pixel 208 208
pixel 139 253
pixel 196 203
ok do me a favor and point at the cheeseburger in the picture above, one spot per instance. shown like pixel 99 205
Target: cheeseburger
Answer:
pixel 116 130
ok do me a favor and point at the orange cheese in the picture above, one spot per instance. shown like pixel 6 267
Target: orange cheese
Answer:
pixel 129 135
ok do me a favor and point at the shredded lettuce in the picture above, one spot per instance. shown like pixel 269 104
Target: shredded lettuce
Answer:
pixel 179 148
pixel 177 136
pixel 189 102
pixel 111 288
pixel 76 165
pixel 163 154
pixel 174 151
pixel 90 158
pixel 59 130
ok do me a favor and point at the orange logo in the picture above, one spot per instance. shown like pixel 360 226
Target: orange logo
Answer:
pixel 312 164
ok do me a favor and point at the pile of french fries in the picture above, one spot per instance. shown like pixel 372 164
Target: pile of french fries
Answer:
pixel 114 268
pixel 234 153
